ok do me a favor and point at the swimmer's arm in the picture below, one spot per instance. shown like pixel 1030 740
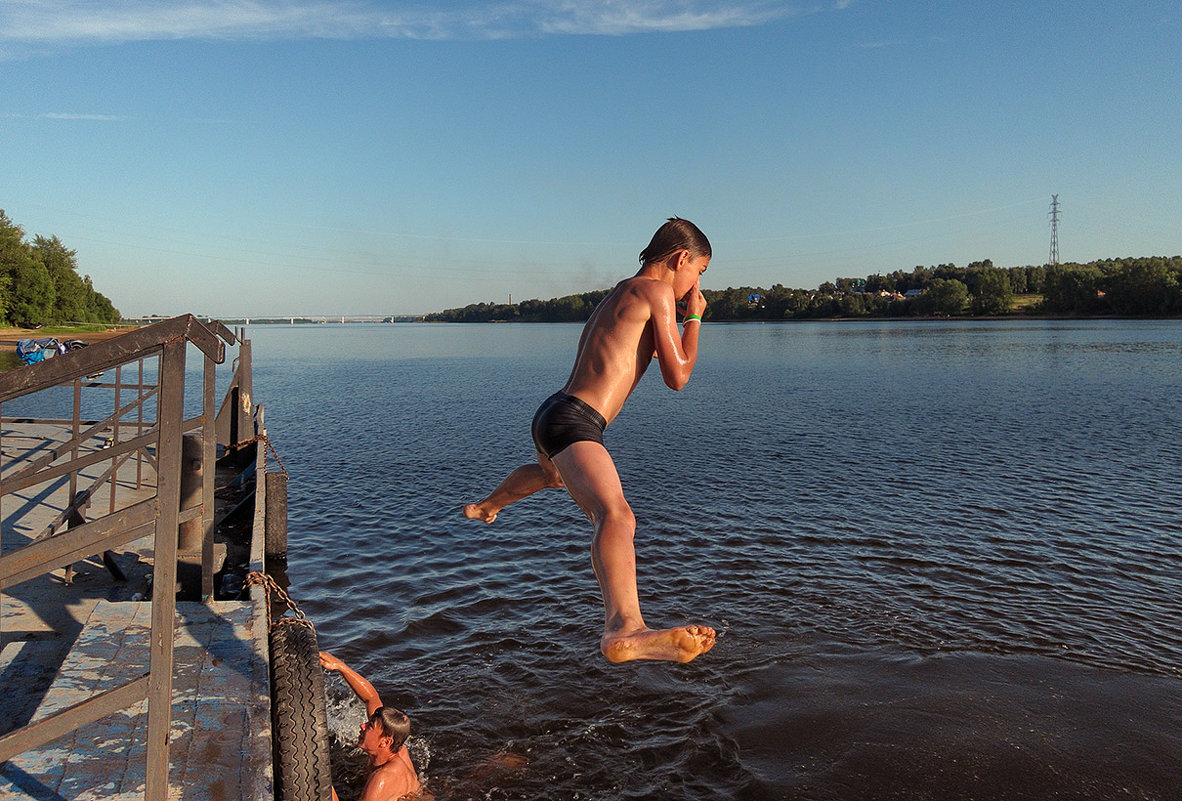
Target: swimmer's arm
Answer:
pixel 677 351
pixel 365 691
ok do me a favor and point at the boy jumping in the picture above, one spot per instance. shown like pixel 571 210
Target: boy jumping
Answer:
pixel 635 322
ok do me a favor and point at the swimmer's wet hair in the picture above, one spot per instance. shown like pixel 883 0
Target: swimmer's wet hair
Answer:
pixel 395 724
pixel 677 234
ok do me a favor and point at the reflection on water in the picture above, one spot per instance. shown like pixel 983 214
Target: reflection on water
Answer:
pixel 944 559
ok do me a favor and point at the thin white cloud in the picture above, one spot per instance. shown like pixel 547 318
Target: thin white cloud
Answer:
pixel 618 17
pixel 86 22
pixel 98 117
pixel 61 115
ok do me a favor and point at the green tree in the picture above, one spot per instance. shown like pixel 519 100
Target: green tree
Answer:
pixel 12 250
pixel 950 272
pixel 5 282
pixel 570 309
pixel 70 294
pixel 731 304
pixel 879 283
pixel 1142 286
pixel 993 295
pixel 775 301
pixel 98 308
pixel 853 305
pixel 1036 279
pixel 29 299
pixel 1073 288
pixel 943 296
pixel 1018 280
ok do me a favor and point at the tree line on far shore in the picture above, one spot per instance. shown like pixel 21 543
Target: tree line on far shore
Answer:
pixel 1122 287
pixel 40 284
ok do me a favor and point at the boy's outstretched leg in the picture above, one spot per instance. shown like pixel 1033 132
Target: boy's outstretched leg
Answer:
pixel 591 478
pixel 521 483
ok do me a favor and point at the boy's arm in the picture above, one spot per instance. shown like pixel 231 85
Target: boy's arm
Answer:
pixel 677 351
pixel 365 691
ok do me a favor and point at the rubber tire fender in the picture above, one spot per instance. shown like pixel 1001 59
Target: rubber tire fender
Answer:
pixel 299 723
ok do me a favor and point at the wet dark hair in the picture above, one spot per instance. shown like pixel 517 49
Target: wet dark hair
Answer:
pixel 677 234
pixel 394 723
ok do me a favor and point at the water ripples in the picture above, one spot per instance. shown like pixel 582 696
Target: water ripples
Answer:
pixel 908 513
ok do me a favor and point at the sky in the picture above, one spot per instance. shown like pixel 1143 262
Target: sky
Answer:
pixel 366 157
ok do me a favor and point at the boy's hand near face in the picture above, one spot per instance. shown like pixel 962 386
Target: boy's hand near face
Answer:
pixel 695 301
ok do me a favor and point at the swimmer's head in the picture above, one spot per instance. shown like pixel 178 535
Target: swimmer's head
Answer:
pixel 676 234
pixel 393 724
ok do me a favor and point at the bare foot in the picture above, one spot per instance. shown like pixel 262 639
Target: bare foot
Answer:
pixel 475 511
pixel 679 644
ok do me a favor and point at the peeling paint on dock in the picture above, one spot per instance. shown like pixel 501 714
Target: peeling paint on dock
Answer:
pixel 220 736
pixel 89 568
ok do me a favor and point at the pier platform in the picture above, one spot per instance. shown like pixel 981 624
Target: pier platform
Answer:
pixel 220 741
pixel 68 635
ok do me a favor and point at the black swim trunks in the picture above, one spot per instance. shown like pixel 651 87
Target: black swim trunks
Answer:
pixel 563 420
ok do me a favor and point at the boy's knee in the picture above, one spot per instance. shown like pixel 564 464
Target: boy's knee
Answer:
pixel 619 514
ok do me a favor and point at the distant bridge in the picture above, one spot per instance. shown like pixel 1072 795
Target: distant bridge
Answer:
pixel 292 319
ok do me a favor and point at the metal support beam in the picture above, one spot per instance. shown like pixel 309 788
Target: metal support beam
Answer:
pixel 169 414
pixel 208 470
pixel 75 717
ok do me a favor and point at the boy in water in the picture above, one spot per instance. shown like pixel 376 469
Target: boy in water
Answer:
pixel 635 322
pixel 391 775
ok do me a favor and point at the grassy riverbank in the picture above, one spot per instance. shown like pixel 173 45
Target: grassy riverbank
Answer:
pixel 87 333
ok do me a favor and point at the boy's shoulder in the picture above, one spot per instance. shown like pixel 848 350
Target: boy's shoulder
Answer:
pixel 392 780
pixel 648 288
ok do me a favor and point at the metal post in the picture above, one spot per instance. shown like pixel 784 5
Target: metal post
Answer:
pixel 75 427
pixel 245 407
pixel 1 524
pixel 192 486
pixel 208 469
pixel 139 429
pixel 234 437
pixel 275 525
pixel 190 534
pixel 170 408
pixel 115 437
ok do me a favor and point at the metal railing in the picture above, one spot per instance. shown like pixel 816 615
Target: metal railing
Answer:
pixel 151 429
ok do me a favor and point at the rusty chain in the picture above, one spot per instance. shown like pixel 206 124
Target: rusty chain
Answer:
pixel 270 447
pixel 271 588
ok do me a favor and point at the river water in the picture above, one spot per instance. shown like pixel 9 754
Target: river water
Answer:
pixel 944 558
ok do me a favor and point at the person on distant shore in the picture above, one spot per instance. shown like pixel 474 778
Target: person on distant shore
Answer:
pixel 391 774
pixel 636 321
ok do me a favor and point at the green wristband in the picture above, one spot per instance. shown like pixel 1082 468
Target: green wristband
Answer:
pixel 691 318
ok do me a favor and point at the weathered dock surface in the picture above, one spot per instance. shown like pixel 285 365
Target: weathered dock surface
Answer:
pixel 64 642
pixel 42 618
pixel 89 633
pixel 220 741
